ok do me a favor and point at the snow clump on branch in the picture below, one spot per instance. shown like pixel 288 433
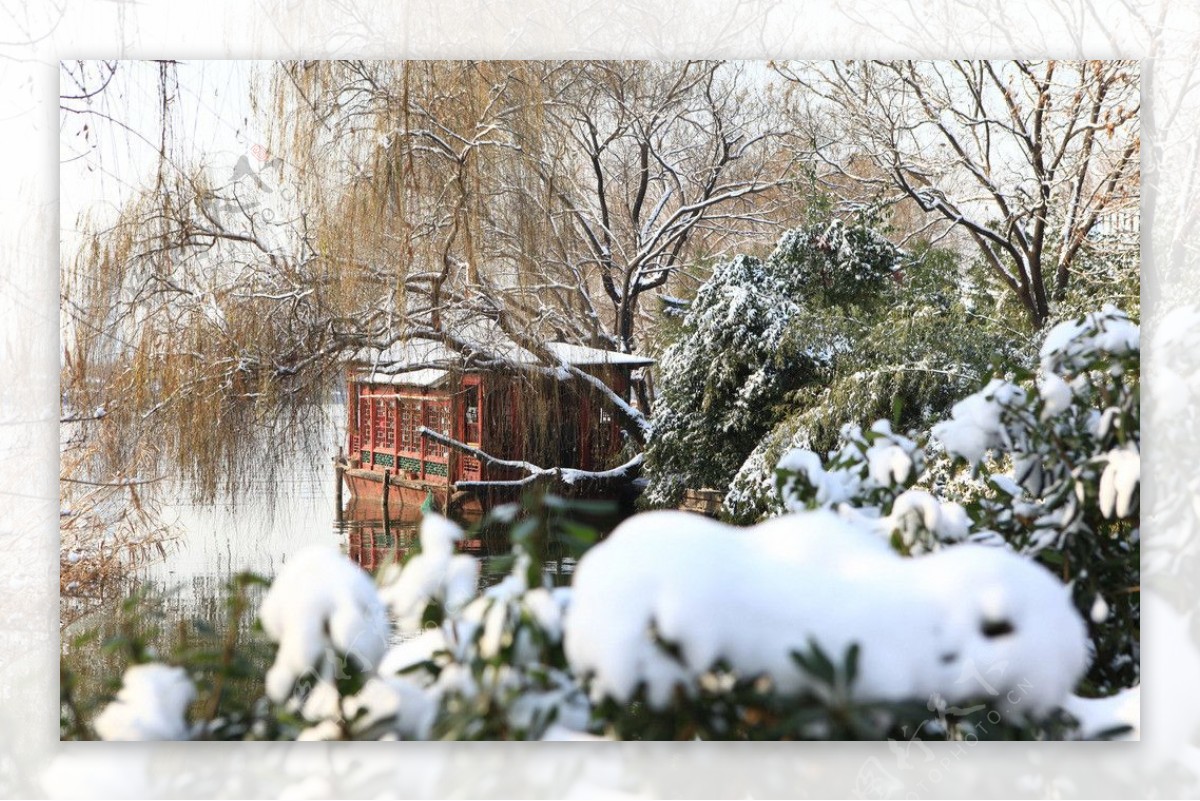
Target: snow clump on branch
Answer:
pixel 436 574
pixel 975 426
pixel 321 601
pixel 150 705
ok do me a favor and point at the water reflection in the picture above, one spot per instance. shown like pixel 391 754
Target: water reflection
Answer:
pixel 373 543
pixel 182 602
pixel 182 597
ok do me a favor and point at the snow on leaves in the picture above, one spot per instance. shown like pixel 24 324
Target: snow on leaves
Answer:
pixel 321 608
pixel 1055 475
pixel 150 705
pixel 754 333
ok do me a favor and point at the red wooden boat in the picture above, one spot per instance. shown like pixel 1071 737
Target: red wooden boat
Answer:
pixel 398 395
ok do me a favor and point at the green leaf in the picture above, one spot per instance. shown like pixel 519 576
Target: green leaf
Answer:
pixel 432 615
pixel 500 565
pixel 852 654
pixel 824 666
pixel 81 640
pixel 523 531
pixel 591 507
pixel 251 579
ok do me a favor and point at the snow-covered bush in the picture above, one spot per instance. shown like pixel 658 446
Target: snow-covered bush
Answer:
pixel 758 330
pixel 705 605
pixel 888 595
pixel 1055 461
pixel 324 613
pixel 909 361
pixel 486 664
pixel 150 706
pixel 464 663
pixel 871 479
pixel 676 627
pixel 434 582
pixel 982 582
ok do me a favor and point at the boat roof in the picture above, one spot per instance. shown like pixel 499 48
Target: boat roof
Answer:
pixel 426 363
pixel 582 355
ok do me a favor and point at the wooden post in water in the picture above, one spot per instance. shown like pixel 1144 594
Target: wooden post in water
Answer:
pixel 387 525
pixel 340 471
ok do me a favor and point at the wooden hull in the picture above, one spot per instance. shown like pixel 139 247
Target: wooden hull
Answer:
pixel 367 485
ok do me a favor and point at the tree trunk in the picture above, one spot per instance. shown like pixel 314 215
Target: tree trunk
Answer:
pixel 625 318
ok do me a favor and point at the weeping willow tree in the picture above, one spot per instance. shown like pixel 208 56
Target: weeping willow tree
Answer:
pixel 391 201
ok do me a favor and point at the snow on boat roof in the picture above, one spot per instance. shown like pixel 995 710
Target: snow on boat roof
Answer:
pixel 580 355
pixel 426 377
pixel 425 363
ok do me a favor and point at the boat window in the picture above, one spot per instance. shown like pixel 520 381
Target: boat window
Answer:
pixel 410 421
pixel 364 419
pixel 471 414
pixel 385 424
pixel 437 418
